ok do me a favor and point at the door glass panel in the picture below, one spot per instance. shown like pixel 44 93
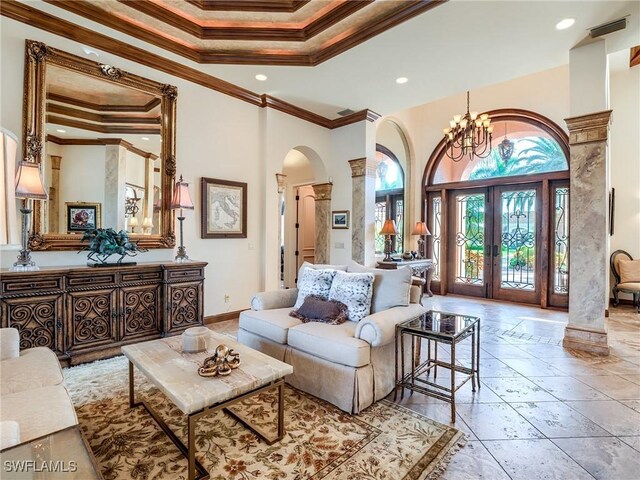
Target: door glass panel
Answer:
pixel 469 256
pixel 561 241
pixel 381 216
pixel 436 232
pixel 399 223
pixel 518 239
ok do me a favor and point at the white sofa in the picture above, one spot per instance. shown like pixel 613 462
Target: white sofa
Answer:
pixel 350 365
pixel 33 398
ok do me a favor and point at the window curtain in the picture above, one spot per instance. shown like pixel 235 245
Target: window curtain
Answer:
pixel 9 233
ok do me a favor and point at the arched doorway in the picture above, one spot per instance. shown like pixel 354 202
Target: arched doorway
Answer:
pixel 500 224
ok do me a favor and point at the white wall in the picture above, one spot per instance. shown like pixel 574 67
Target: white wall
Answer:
pixel 625 159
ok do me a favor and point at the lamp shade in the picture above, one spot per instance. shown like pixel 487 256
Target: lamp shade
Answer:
pixel 420 228
pixel 29 181
pixel 133 222
pixel 181 197
pixel 389 228
pixel 147 223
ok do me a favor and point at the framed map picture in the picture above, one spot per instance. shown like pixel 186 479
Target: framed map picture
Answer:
pixel 224 209
pixel 82 216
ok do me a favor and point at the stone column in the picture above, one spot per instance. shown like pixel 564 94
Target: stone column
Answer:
pixel 363 190
pixel 54 195
pixel 114 187
pixel 588 233
pixel 322 192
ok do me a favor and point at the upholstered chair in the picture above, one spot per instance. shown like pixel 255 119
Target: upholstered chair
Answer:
pixel 626 272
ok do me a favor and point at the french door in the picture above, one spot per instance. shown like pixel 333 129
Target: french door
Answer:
pixel 494 242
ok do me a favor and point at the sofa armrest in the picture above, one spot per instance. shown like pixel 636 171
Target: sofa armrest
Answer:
pixel 379 329
pixel 274 299
pixel 9 343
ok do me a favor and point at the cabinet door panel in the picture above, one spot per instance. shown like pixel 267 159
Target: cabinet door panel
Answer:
pixel 38 320
pixel 140 311
pixel 92 318
pixel 184 305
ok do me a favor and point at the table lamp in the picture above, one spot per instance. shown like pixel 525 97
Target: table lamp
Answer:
pixel 133 223
pixel 181 200
pixel 420 229
pixel 28 186
pixel 388 230
pixel 147 226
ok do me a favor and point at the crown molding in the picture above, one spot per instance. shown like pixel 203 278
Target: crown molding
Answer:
pixel 102 141
pixel 250 5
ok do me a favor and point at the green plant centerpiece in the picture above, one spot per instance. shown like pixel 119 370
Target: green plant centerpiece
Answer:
pixel 104 242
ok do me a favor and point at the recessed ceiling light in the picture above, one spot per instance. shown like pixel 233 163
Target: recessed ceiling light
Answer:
pixel 261 77
pixel 565 23
pixel 59 130
pixel 144 138
pixel 402 80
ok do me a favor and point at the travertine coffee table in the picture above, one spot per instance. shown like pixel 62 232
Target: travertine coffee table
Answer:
pixel 176 375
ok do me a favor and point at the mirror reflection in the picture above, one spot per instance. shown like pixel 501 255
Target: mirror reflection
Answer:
pixel 101 162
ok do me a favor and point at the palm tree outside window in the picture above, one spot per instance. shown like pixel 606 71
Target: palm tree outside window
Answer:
pixel 389 199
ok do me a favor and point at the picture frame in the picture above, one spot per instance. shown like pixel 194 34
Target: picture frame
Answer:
pixel 81 216
pixel 340 219
pixel 223 208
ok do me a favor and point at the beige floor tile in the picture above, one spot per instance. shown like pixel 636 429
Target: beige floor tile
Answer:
pixel 604 458
pixel 496 421
pixel 614 386
pixel 557 420
pixel 568 388
pixel 535 459
pixel 635 404
pixel 518 390
pixel 578 366
pixel 504 350
pixel 614 417
pixel 530 368
pixel 492 367
pixel 619 366
pixel 632 378
pixel 474 462
pixel 546 351
pixel 633 442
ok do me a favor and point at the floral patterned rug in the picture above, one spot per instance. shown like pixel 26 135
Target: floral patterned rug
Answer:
pixel 385 442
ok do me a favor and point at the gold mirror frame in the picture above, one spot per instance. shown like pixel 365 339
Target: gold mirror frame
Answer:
pixel 37 56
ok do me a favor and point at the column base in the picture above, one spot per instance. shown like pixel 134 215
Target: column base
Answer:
pixel 586 340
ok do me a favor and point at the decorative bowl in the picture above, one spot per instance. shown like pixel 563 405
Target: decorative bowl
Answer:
pixel 194 339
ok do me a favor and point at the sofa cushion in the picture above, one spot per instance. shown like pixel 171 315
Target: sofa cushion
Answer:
pixel 39 411
pixel 633 286
pixel 355 290
pixel 318 309
pixel 271 324
pixel 390 287
pixel 629 271
pixel 314 282
pixel 34 368
pixel 335 343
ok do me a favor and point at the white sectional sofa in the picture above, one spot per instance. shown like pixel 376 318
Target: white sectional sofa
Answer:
pixel 351 365
pixel 33 399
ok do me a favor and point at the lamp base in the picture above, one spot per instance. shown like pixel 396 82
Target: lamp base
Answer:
pixel 182 256
pixel 24 263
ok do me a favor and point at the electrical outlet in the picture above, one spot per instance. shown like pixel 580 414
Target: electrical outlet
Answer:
pixel 227 298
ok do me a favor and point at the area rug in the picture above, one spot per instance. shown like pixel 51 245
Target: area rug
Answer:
pixel 385 442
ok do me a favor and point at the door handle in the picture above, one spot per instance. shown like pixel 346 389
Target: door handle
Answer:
pixel 496 251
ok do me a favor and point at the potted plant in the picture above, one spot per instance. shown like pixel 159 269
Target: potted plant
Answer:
pixel 104 242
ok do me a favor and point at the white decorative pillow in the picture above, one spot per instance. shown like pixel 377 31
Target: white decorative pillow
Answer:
pixel 355 290
pixel 314 282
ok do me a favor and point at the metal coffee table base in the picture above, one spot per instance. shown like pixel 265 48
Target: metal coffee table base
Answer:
pixel 196 470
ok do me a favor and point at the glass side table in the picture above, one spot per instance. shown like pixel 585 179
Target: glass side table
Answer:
pixel 437 327
pixel 63 455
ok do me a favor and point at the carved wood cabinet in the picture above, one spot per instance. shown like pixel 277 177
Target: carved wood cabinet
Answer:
pixel 84 313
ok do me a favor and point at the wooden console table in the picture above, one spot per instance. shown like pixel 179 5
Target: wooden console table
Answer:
pixel 420 268
pixel 85 313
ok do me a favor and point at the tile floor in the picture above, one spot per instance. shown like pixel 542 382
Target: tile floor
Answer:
pixel 542 412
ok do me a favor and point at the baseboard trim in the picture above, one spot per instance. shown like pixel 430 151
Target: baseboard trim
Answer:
pixel 586 340
pixel 222 317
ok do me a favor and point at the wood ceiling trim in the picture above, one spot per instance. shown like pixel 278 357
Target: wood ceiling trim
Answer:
pixel 245 33
pixel 102 141
pixel 99 117
pixel 50 23
pixel 250 5
pixel 634 56
pixel 95 127
pixel 106 107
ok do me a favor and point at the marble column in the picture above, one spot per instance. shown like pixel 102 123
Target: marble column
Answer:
pixel 588 233
pixel 363 190
pixel 114 187
pixel 322 193
pixel 54 195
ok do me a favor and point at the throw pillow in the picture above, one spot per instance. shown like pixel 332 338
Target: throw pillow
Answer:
pixel 313 282
pixel 390 287
pixel 318 309
pixel 320 266
pixel 355 290
pixel 629 271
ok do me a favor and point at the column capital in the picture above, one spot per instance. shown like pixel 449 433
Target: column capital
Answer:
pixel 361 167
pixel 322 191
pixel 55 162
pixel 593 127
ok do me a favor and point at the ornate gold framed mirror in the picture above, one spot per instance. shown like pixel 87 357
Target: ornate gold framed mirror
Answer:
pixel 105 139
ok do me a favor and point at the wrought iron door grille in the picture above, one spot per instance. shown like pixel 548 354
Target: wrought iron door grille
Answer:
pixel 561 241
pixel 470 239
pixel 518 239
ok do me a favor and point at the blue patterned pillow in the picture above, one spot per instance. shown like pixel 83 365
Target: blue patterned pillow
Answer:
pixel 355 290
pixel 314 282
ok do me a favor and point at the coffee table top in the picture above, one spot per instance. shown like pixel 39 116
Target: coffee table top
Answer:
pixel 440 324
pixel 176 373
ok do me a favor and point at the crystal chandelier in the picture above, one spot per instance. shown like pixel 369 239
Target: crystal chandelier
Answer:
pixel 469 135
pixel 505 147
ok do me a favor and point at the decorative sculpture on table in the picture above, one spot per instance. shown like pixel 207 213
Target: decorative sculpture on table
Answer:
pixel 221 363
pixel 104 242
